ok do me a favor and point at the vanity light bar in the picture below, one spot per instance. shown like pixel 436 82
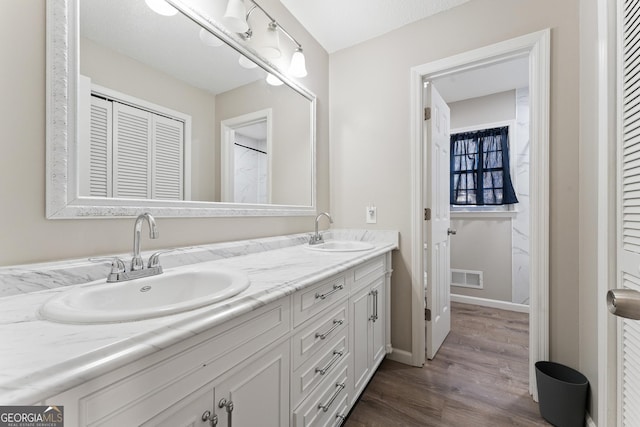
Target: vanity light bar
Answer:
pixel 297 68
pixel 247 35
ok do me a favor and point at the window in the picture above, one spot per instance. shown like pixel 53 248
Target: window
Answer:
pixel 480 168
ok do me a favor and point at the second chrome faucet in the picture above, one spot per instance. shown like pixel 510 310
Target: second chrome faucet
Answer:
pixel 317 238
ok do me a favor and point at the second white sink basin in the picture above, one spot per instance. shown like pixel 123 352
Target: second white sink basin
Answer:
pixel 174 291
pixel 342 246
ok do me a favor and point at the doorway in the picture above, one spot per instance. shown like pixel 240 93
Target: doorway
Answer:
pixel 246 153
pixel 490 250
pixel 536 47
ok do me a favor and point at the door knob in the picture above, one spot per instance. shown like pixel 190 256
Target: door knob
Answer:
pixel 451 231
pixel 624 303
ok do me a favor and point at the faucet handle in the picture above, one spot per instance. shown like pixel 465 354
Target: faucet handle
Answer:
pixel 117 265
pixel 154 259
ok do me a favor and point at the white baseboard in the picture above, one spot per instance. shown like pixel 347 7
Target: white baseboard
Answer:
pixel 401 356
pixel 590 422
pixel 502 305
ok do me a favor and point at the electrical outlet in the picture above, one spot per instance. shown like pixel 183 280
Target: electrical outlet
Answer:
pixel 371 215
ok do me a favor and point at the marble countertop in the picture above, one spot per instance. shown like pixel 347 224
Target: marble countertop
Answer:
pixel 40 358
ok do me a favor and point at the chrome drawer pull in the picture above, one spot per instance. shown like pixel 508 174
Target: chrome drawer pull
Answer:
pixel 335 289
pixel 228 404
pixel 375 296
pixel 374 316
pixel 212 418
pixel 341 419
pixel 325 408
pixel 336 323
pixel 336 355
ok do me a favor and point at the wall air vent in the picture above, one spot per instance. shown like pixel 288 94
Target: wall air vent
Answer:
pixel 467 278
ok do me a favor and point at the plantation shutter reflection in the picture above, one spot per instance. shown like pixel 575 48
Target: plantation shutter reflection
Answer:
pixel 135 153
pixel 100 148
pixel 131 152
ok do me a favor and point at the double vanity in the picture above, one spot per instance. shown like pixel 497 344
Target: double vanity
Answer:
pixel 295 335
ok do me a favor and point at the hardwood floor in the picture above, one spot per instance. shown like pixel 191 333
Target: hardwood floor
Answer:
pixel 478 378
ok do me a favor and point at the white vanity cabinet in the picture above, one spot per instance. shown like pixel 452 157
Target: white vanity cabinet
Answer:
pixel 368 309
pixel 320 343
pixel 346 358
pixel 254 393
pixel 244 360
pixel 300 361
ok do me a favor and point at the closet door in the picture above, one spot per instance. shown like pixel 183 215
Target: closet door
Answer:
pixel 99 153
pixel 167 159
pixel 629 212
pixel 132 136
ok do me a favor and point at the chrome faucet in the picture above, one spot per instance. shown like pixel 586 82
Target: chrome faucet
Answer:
pixel 136 261
pixel 317 238
pixel 137 270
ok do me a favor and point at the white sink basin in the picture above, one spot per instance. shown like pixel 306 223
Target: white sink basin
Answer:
pixel 342 246
pixel 174 291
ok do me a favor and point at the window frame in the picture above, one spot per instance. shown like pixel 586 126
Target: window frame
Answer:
pixel 489 210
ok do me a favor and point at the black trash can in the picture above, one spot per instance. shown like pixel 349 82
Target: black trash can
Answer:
pixel 562 392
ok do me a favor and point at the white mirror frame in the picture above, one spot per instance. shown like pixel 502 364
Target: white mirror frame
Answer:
pixel 62 195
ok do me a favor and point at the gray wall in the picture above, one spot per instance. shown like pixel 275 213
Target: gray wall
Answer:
pixel 370 140
pixel 291 153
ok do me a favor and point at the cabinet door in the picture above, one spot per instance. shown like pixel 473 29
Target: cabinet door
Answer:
pixel 378 325
pixel 360 338
pixel 257 390
pixel 188 412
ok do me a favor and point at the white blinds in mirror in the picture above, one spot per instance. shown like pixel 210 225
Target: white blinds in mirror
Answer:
pixel 134 153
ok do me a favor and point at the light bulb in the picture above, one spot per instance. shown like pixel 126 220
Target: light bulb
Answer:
pixel 298 64
pixel 273 80
pixel 209 39
pixel 161 7
pixel 271 45
pixel 246 62
pixel 235 17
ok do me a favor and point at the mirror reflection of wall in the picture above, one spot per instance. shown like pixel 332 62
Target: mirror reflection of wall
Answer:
pixel 167 69
pixel 251 164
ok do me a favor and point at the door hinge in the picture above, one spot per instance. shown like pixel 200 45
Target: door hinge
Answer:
pixel 427 214
pixel 427 315
pixel 427 113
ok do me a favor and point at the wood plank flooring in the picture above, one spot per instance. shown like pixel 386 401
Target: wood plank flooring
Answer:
pixel 478 378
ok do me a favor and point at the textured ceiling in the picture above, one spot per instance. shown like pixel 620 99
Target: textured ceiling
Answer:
pixel 337 24
pixel 169 44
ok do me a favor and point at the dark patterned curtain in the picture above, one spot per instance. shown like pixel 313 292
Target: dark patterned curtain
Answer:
pixel 480 168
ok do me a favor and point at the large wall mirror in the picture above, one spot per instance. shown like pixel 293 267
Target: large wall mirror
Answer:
pixel 170 114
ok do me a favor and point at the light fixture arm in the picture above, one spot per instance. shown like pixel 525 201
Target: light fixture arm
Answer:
pixel 274 24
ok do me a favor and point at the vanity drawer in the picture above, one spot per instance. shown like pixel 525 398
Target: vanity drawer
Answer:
pixel 366 273
pixel 311 301
pixel 312 337
pixel 321 407
pixel 319 367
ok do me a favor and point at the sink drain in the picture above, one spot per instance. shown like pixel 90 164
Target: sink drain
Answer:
pixel 145 288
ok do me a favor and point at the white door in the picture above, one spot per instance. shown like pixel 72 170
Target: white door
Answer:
pixel 257 392
pixel 437 221
pixel 360 310
pixel 628 219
